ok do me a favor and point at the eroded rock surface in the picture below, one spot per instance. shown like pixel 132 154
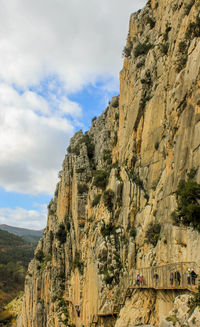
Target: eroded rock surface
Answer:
pixel 121 176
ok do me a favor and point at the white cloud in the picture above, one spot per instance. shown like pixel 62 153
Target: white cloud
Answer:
pixel 33 219
pixel 48 49
pixel 78 40
pixel 32 145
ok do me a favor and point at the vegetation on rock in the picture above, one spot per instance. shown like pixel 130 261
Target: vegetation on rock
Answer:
pixel 153 233
pixel 100 178
pixel 194 301
pixel 61 233
pixel 82 188
pixel 188 211
pixel 127 50
pixel 108 197
pixel 77 263
pixel 39 255
pixel 96 200
pixel 107 230
pixel 142 49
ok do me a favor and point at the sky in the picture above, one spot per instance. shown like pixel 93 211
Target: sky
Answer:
pixel 59 67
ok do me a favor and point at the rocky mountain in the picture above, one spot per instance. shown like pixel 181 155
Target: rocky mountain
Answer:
pixel 128 198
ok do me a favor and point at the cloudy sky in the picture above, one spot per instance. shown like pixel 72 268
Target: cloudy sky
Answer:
pixel 59 67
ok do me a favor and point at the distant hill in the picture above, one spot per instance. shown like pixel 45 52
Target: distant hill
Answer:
pixel 29 235
pixel 14 248
pixel 15 255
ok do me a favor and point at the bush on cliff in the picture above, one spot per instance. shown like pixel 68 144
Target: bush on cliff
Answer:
pixel 39 255
pixel 153 233
pixel 61 233
pixel 108 197
pixel 90 146
pixel 82 188
pixel 100 178
pixel 77 263
pixel 188 211
pixel 96 200
pixel 107 230
pixel 142 49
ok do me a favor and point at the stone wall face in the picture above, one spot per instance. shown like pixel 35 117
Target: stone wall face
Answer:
pixel 141 146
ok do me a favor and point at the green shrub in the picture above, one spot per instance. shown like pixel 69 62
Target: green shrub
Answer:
pixel 61 233
pixel 107 230
pixel 133 232
pixel 89 144
pixel 192 173
pixel 69 149
pixel 146 196
pixel 62 303
pixel 142 104
pixel 164 47
pixel 94 118
pixel 173 319
pixel 141 63
pixel 136 179
pixel 96 200
pixel 54 298
pixel 150 21
pixel 166 34
pixel 175 218
pixel 147 78
pixel 156 145
pixel 68 226
pixel 100 178
pixel 127 50
pixel 82 188
pixel 39 255
pixel 181 63
pixel 48 258
pixel 182 46
pixel 107 156
pixel 193 29
pixel 142 49
pixel 108 279
pixel 115 139
pixel 77 263
pixel 115 103
pixel 108 197
pixel 76 150
pixel 188 211
pixel 174 7
pixel 194 302
pixel 188 7
pixel 80 170
pixel 153 233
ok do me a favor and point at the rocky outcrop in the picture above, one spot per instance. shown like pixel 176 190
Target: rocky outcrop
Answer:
pixel 120 178
pixel 181 315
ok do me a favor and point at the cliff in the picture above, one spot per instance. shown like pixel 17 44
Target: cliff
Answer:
pixel 112 209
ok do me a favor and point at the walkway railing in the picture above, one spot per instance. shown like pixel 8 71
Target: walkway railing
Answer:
pixel 182 275
pixel 174 276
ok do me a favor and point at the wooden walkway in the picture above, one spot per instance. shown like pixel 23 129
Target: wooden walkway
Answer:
pixel 176 276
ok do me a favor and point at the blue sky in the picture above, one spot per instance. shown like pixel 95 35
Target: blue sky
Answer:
pixel 59 67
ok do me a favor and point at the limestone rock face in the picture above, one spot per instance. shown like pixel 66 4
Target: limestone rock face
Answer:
pixel 121 176
pixel 181 315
